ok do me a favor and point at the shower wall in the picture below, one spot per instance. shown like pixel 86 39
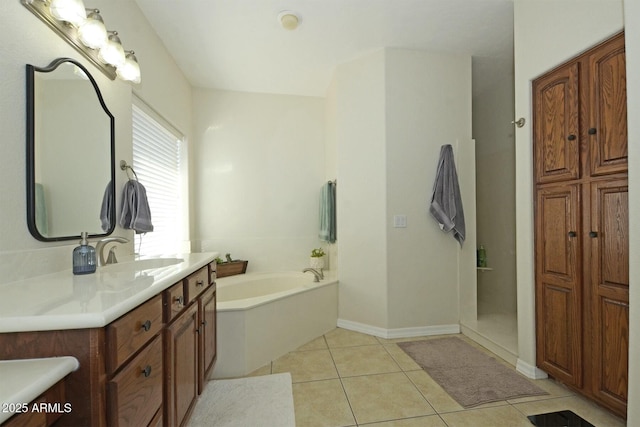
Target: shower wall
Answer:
pixel 493 111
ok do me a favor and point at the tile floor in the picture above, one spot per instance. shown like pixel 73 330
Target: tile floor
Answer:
pixel 346 378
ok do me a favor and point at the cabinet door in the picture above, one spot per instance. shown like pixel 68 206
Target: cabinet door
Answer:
pixel 208 340
pixel 182 366
pixel 558 292
pixel 607 127
pixel 610 290
pixel 556 132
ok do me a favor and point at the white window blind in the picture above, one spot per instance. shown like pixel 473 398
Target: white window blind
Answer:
pixel 157 162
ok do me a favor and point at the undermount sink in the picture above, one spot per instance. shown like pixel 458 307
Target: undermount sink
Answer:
pixel 142 264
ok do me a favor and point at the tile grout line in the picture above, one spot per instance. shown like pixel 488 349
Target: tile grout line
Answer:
pixel 355 420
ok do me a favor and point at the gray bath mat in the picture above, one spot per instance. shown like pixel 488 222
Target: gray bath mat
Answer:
pixel 470 376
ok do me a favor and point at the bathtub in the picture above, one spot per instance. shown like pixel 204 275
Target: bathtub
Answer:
pixel 262 316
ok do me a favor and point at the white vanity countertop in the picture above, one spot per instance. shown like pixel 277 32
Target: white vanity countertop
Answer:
pixel 66 301
pixel 25 379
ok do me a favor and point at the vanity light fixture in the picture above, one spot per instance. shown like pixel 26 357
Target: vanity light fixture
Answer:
pixel 130 70
pixel 112 52
pixel 92 32
pixel 88 35
pixel 71 11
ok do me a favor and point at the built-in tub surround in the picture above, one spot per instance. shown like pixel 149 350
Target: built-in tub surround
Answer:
pixel 64 301
pixel 262 316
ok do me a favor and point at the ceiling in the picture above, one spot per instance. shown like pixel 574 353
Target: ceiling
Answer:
pixel 240 45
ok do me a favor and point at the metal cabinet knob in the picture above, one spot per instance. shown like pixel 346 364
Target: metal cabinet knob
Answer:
pixel 572 234
pixel 146 371
pixel 146 325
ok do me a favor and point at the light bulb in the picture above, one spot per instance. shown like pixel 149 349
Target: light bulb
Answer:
pixel 93 33
pixel 112 52
pixel 71 11
pixel 130 69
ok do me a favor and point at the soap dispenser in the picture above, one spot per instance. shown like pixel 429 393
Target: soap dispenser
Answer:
pixel 84 257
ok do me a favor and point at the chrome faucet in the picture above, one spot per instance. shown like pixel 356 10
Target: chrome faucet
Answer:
pixel 317 275
pixel 112 256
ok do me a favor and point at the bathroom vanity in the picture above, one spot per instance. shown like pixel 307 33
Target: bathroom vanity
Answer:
pixel 143 332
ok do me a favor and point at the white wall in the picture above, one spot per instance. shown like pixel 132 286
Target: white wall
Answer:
pixel 393 110
pixel 25 39
pixel 361 191
pixel 632 34
pixel 495 173
pixel 428 104
pixel 546 35
pixel 259 171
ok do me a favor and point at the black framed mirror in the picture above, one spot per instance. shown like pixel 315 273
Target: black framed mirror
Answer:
pixel 70 153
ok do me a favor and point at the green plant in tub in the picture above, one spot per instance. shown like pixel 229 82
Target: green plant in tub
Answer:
pixel 317 253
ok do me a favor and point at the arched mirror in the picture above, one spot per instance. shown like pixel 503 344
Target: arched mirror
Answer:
pixel 70 154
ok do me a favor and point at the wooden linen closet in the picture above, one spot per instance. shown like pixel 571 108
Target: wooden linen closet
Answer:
pixel 582 224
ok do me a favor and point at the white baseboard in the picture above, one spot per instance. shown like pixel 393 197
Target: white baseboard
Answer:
pixel 399 332
pixel 530 371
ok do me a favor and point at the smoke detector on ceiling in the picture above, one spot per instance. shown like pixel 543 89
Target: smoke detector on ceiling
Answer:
pixel 288 20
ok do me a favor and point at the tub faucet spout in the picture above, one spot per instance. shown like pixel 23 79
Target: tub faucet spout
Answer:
pixel 317 275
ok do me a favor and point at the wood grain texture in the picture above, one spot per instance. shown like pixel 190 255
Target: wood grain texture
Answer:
pixel 135 396
pixel 129 333
pixel 582 282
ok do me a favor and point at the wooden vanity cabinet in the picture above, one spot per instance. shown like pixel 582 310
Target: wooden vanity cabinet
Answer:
pixel 208 341
pixel 134 388
pixel 145 368
pixel 54 395
pixel 189 343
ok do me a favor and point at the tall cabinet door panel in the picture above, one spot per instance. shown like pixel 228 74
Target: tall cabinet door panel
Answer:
pixel 558 293
pixel 610 290
pixel 607 127
pixel 556 132
pixel 181 362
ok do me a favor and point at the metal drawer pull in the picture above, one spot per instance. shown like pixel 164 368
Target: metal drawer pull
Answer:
pixel 179 300
pixel 199 282
pixel 593 234
pixel 146 371
pixel 571 137
pixel 146 325
pixel 572 234
pixel 592 131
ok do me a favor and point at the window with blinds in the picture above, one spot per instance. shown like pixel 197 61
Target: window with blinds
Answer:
pixel 157 161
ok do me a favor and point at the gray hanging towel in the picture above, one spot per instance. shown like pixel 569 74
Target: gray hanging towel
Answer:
pixel 135 213
pixel 446 202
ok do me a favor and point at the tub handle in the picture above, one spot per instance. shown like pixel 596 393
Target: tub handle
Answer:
pixel 180 301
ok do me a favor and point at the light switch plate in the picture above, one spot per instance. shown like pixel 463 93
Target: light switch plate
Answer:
pixel 399 221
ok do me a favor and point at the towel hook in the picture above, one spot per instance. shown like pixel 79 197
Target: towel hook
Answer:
pixel 520 122
pixel 125 167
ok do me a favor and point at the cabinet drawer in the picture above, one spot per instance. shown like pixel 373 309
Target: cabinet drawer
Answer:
pixel 130 332
pixel 174 301
pixel 196 283
pixel 135 393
